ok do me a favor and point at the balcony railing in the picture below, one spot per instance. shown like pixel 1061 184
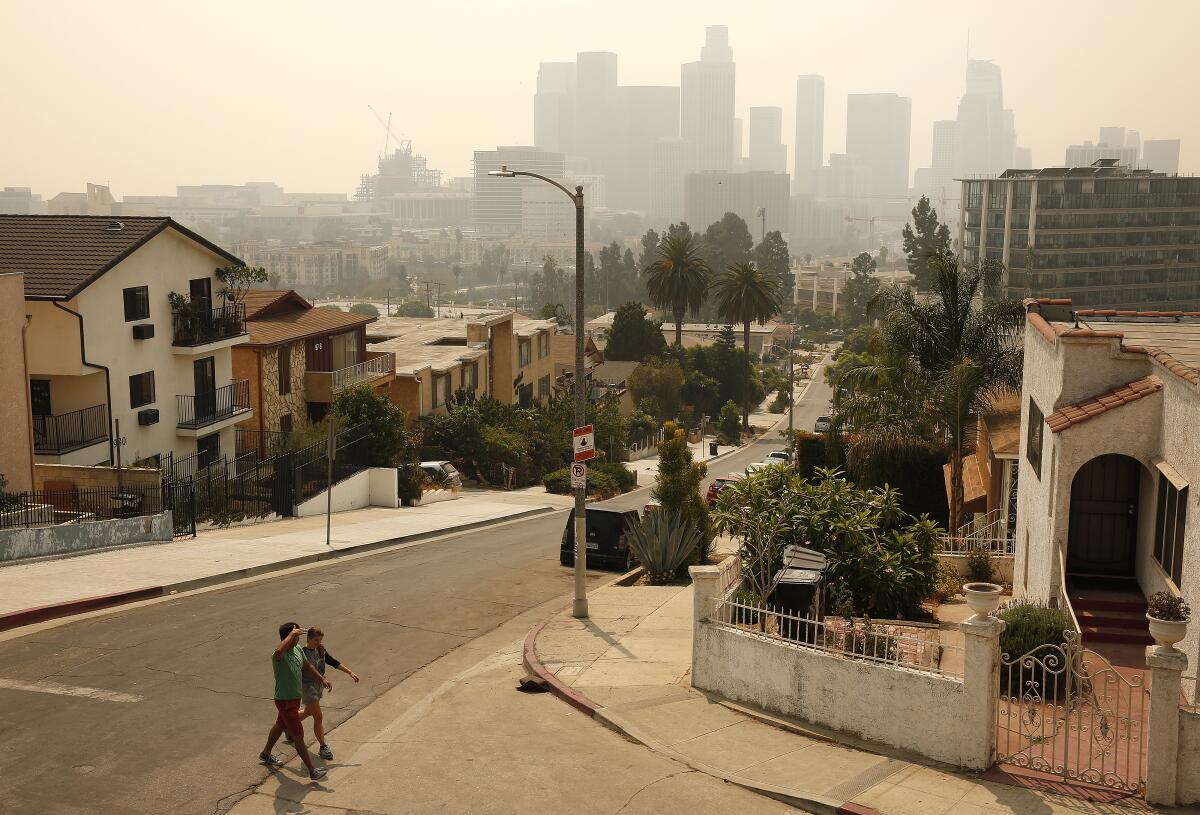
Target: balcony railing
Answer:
pixel 322 386
pixel 211 407
pixel 56 435
pixel 209 325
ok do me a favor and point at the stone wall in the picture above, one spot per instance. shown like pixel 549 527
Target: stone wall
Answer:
pixel 275 405
pixel 21 544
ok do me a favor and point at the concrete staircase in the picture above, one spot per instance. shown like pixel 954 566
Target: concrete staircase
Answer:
pixel 1111 615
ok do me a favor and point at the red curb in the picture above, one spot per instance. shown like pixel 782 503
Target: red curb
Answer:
pixel 534 666
pixel 857 809
pixel 40 614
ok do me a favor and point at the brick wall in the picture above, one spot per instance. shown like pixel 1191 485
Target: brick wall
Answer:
pixel 67 476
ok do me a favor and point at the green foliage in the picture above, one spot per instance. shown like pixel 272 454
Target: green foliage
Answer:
pixel 947 582
pixel 237 280
pixel 409 480
pixel 727 242
pixel 413 308
pixel 663 542
pixel 924 238
pixel 773 257
pixel 744 294
pixel 677 279
pixel 622 476
pixel 1031 625
pixel 659 383
pixel 979 566
pixel 331 306
pixel 633 336
pixel 677 486
pixel 729 423
pixel 861 289
pixel 550 286
pixel 386 424
pixel 1164 605
pixel 881 559
pixel 600 483
pixel 364 310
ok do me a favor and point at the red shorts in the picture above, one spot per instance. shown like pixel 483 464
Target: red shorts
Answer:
pixel 289 717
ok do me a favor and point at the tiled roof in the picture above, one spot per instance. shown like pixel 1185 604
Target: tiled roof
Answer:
pixel 1080 412
pixel 287 326
pixel 256 300
pixel 972 477
pixel 1003 423
pixel 61 254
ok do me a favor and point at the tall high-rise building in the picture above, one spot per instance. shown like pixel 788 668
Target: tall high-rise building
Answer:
pixel 646 113
pixel 1161 155
pixel 554 107
pixel 809 148
pixel 985 136
pixel 709 195
pixel 1112 137
pixel 671 160
pixel 767 150
pixel 498 201
pixel 1084 155
pixel 706 102
pixel 596 109
pixel 1023 158
pixel 1104 235
pixel 945 136
pixel 878 129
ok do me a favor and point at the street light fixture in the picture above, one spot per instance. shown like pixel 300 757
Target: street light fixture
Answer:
pixel 579 607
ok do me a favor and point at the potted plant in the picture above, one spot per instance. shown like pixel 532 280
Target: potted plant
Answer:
pixel 983 598
pixel 1168 615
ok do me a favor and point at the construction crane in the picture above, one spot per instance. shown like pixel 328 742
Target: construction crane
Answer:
pixel 402 144
pixel 875 218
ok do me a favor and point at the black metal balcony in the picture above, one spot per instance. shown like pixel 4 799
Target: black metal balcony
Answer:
pixel 56 435
pixel 210 407
pixel 203 326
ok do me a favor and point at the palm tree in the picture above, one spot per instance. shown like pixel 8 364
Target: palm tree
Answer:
pixel 678 278
pixel 936 364
pixel 745 294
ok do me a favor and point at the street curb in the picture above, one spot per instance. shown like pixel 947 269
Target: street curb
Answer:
pixel 612 721
pixel 69 608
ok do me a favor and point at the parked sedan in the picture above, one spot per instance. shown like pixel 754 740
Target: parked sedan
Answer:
pixel 822 424
pixel 718 485
pixel 782 456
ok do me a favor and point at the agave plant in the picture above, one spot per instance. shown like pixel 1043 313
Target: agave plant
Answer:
pixel 662 542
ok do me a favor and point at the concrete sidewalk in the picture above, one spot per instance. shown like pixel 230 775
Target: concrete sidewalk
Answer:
pixel 31 592
pixel 628 666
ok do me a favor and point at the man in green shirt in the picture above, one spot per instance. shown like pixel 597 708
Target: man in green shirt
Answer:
pixel 289 664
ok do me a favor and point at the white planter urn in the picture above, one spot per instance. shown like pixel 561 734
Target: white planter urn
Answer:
pixel 1167 632
pixel 983 598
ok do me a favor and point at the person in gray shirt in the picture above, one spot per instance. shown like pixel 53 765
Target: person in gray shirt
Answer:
pixel 318 657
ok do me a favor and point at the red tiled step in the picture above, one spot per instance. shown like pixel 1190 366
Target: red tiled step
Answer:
pixel 1093 633
pixel 1112 619
pixel 1085 603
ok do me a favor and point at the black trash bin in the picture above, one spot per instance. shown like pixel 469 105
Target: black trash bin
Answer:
pixel 798 591
pixel 126 504
pixel 712 448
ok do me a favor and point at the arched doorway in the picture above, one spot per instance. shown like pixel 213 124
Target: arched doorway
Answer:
pixel 1102 531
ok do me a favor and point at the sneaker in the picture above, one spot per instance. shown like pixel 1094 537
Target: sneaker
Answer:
pixel 269 760
pixel 325 752
pixel 316 773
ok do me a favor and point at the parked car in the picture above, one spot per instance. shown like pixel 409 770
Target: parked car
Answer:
pixel 718 485
pixel 442 471
pixel 762 465
pixel 782 456
pixel 606 542
pixel 822 424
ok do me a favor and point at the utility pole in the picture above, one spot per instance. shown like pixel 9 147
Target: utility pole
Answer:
pixel 438 301
pixel 428 304
pixel 792 394
pixel 762 213
pixel 389 303
pixel 330 454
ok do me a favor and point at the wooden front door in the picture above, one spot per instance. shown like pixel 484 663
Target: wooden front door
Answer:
pixel 1102 536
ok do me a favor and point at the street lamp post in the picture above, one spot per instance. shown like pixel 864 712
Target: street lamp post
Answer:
pixel 579 608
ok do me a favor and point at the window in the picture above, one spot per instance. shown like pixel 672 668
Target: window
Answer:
pixel 285 370
pixel 441 389
pixel 200 290
pixel 137 303
pixel 471 372
pixel 544 387
pixel 525 349
pixel 39 397
pixel 1169 524
pixel 208 449
pixel 285 423
pixel 543 345
pixel 141 389
pixel 1033 441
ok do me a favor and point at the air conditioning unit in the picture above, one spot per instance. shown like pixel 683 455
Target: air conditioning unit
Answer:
pixel 143 331
pixel 148 416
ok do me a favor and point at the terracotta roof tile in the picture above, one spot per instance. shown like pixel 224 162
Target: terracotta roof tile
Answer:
pixel 287 326
pixel 1069 415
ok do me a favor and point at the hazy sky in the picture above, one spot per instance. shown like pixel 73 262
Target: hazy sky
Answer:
pixel 147 95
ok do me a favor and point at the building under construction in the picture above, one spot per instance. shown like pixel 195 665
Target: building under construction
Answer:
pixel 400 171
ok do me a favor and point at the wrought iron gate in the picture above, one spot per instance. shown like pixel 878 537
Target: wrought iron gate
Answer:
pixel 1066 711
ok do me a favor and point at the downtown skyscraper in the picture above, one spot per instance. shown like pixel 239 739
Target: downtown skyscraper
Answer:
pixel 809 148
pixel 878 129
pixel 706 102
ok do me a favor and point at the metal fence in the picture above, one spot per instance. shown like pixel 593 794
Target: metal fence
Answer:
pixel 205 408
pixel 55 435
pixel 40 508
pixel 311 464
pixel 190 328
pixel 891 643
pixel 987 533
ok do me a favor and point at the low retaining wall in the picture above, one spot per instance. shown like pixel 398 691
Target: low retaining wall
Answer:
pixel 52 477
pixel 373 487
pixel 880 703
pixel 21 544
pixel 1188 791
pixel 1002 567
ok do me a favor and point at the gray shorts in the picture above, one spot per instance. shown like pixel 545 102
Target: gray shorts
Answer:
pixel 311 692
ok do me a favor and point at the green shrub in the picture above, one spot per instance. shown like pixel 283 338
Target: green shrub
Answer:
pixel 1030 625
pixel 979 566
pixel 408 483
pixel 729 423
pixel 662 542
pixel 779 403
pixel 599 483
pixel 625 478
pixel 946 582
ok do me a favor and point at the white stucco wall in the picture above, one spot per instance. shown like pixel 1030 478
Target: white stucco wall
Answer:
pixel 1188 778
pixel 373 487
pixel 906 709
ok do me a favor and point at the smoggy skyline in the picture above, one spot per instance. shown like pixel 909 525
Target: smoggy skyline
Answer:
pixel 146 97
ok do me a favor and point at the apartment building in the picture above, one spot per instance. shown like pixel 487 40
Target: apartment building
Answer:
pixel 299 358
pixel 126 330
pixel 1103 235
pixel 16 442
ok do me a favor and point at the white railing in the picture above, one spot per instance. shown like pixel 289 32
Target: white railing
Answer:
pixel 366 370
pixel 988 534
pixel 893 644
pixel 1064 599
pixel 730 576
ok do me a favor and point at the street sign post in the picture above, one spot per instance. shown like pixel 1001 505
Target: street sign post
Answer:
pixel 584 441
pixel 578 475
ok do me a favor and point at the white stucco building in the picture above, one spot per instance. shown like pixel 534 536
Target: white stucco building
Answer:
pixel 1109 450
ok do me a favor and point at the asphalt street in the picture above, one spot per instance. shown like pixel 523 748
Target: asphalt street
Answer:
pixel 164 707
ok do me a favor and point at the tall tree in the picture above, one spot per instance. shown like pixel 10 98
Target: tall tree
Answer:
pixel 924 238
pixel 633 337
pixel 938 363
pixel 727 242
pixel 744 294
pixel 773 257
pixel 678 278
pixel 861 288
pixel 649 249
